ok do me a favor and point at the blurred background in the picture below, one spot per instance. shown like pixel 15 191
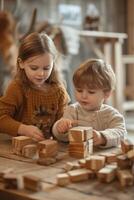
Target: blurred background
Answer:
pixel 81 29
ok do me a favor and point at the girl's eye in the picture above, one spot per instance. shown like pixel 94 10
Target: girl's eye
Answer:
pixel 34 68
pixel 46 68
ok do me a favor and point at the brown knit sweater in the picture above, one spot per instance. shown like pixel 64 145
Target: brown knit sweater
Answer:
pixel 31 106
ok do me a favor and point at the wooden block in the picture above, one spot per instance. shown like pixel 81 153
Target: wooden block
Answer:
pixel 63 179
pixel 46 161
pixel 78 154
pixel 82 163
pixel 32 183
pixel 106 174
pixel 12 181
pixel 126 145
pixel 47 144
pixel 78 175
pixel 125 178
pixel 44 153
pixel 109 157
pixel 112 166
pixel 123 162
pixel 71 166
pixel 95 162
pixel 19 142
pixel 4 172
pixel 80 134
pixel 29 151
pixel 81 150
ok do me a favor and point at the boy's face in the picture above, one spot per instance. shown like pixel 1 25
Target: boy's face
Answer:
pixel 90 99
pixel 38 68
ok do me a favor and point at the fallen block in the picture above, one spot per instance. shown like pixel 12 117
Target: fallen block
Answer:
pixel 13 181
pixel 32 183
pixel 63 179
pixel 78 175
pixel 106 174
pixel 125 178
pixel 95 162
pixel 29 151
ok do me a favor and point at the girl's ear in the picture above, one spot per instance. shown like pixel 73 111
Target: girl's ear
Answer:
pixel 107 94
pixel 20 62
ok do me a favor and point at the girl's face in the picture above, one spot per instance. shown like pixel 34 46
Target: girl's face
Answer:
pixel 90 99
pixel 38 68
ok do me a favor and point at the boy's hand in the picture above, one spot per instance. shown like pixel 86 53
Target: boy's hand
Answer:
pixel 31 131
pixel 63 125
pixel 98 139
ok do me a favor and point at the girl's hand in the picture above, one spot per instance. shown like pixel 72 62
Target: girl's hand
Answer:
pixel 63 125
pixel 98 139
pixel 31 131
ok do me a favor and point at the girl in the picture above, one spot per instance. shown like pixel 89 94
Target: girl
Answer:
pixel 35 99
pixel 94 82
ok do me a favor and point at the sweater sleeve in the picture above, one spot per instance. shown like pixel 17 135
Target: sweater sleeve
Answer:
pixel 69 113
pixel 10 104
pixel 116 130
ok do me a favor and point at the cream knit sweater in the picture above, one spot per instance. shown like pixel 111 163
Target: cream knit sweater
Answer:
pixel 108 121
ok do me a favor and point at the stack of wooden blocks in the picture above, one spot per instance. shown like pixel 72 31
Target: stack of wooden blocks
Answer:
pixel 80 141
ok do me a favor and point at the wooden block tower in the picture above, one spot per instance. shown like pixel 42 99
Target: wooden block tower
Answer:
pixel 80 141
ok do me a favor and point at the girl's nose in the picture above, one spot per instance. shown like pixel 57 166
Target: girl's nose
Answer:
pixel 41 73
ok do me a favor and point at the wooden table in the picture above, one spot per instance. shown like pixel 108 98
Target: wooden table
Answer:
pixel 86 190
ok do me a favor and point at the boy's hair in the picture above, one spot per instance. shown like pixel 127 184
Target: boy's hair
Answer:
pixel 33 45
pixel 95 74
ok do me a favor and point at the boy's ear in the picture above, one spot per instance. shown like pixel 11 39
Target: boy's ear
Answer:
pixel 107 94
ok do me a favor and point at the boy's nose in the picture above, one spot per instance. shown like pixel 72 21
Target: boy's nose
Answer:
pixel 84 94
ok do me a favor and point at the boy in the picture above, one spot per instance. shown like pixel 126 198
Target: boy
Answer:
pixel 94 82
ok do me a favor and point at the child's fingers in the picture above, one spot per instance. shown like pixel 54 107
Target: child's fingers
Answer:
pixel 74 123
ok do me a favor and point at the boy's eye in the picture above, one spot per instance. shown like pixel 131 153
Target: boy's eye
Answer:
pixel 78 90
pixel 91 92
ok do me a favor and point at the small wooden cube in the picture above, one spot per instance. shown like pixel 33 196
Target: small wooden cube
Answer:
pixel 63 179
pixel 32 183
pixel 12 181
pixel 79 175
pixel 95 162
pixel 125 177
pixel 80 134
pixel 106 174
pixel 123 162
pixel 29 151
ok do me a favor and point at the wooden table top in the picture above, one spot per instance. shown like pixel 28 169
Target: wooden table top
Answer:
pixel 86 190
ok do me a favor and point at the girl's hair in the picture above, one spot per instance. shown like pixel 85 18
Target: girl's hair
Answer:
pixel 95 74
pixel 33 45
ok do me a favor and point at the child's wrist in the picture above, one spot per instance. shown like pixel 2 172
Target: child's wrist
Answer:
pixel 21 129
pixel 103 140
